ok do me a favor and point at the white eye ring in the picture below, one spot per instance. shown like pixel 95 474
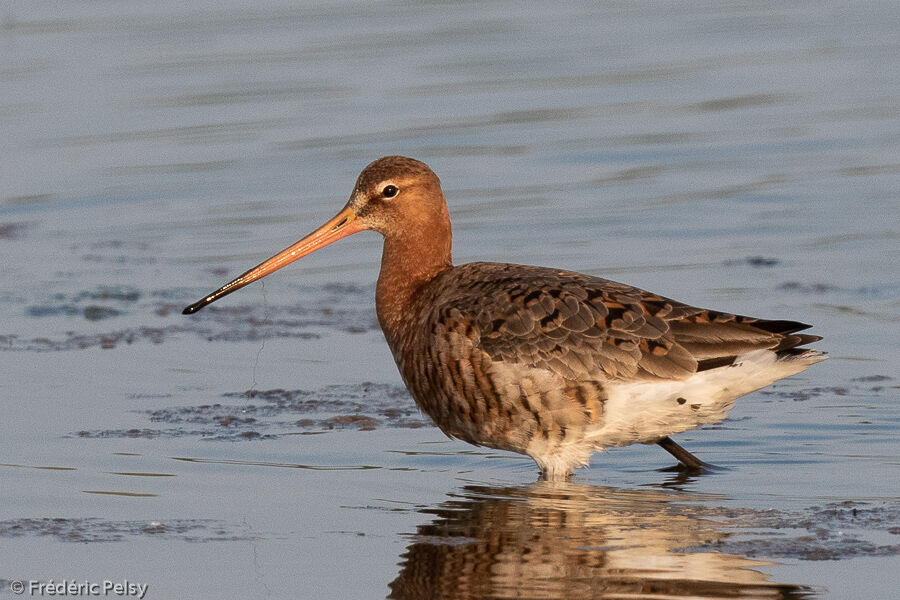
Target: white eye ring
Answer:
pixel 390 191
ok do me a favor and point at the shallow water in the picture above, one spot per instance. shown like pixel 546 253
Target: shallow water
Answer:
pixel 741 158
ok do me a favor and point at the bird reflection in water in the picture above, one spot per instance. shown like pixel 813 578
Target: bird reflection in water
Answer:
pixel 563 540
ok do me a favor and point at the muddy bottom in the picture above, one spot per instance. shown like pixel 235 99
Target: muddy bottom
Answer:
pixel 341 308
pixel 89 530
pixel 266 414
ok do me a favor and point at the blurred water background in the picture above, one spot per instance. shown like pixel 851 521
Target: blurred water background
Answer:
pixel 742 157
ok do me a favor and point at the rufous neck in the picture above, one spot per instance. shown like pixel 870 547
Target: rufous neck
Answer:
pixel 409 261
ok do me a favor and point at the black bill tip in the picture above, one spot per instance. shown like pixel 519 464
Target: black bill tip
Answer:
pixel 189 310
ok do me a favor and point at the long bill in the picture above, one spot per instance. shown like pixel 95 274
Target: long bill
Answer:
pixel 343 224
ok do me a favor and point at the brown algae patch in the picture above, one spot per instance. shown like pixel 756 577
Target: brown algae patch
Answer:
pixel 155 317
pixel 267 414
pixel 753 261
pixel 12 230
pixel 858 387
pixel 93 305
pixel 885 290
pixel 100 530
pixel 835 531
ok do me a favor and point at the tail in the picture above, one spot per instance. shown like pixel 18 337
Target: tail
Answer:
pixel 789 348
pixel 788 330
pixel 786 345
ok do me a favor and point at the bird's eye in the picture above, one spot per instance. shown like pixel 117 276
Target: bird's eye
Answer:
pixel 390 191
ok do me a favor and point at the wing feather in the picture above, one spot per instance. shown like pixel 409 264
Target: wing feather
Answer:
pixel 584 327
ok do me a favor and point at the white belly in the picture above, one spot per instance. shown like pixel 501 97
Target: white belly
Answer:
pixel 648 411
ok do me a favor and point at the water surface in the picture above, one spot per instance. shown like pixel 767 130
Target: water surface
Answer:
pixel 743 158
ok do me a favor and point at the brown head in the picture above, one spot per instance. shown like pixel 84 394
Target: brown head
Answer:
pixel 396 196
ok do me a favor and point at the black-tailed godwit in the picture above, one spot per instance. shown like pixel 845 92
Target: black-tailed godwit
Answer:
pixel 549 363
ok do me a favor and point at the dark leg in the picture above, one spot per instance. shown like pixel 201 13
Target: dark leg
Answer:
pixel 684 457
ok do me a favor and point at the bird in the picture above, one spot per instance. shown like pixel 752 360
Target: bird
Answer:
pixel 545 362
